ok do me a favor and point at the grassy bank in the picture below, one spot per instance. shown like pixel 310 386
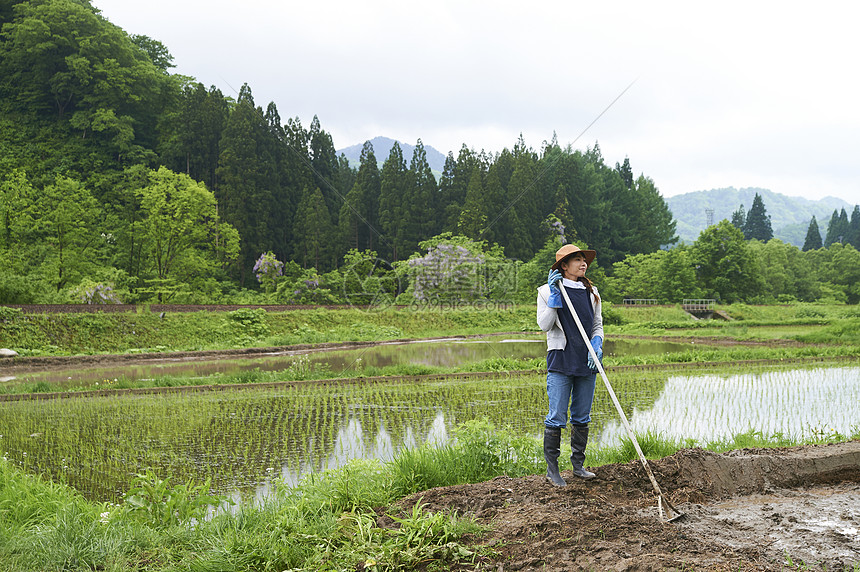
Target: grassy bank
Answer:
pixel 327 522
pixel 80 334
pixel 71 334
pixel 806 323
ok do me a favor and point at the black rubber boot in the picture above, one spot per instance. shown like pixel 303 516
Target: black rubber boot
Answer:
pixel 551 451
pixel 578 441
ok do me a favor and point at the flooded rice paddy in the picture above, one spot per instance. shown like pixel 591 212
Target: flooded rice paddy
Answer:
pixel 436 353
pixel 245 439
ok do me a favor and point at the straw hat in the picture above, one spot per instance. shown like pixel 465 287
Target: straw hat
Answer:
pixel 569 250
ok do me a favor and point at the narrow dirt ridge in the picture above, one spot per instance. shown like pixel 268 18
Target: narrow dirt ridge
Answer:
pixel 752 509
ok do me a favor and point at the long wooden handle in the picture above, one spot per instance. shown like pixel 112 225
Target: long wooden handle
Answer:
pixel 615 400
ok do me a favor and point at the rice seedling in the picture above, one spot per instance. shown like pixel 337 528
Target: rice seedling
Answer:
pixel 243 441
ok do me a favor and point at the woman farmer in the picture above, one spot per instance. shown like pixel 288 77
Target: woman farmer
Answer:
pixel 571 373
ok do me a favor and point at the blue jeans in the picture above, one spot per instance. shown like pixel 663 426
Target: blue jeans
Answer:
pixel 574 391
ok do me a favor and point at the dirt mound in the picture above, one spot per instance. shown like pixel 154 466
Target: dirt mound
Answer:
pixel 754 509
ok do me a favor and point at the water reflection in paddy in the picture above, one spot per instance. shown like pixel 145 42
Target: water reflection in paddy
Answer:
pixel 436 353
pixel 800 402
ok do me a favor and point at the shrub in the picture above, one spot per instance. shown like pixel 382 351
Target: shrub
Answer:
pixel 158 503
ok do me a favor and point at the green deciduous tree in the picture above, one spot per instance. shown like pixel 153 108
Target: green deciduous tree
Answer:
pixel 665 275
pixel 367 280
pixel 677 276
pixel 61 59
pixel 636 277
pixel 845 260
pixel 66 216
pixel 180 227
pixel 15 191
pixel 784 271
pixel 726 267
pixel 158 53
pixel 837 268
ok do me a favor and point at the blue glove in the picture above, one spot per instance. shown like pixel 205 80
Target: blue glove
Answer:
pixel 554 293
pixel 597 344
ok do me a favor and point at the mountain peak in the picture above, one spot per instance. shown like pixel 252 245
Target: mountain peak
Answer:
pixel 382 147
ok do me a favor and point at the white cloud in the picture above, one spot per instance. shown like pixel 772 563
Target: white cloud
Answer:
pixel 731 94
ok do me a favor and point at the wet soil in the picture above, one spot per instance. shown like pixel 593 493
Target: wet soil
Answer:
pixel 31 363
pixel 751 509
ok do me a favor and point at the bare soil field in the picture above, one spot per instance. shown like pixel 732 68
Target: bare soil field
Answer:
pixel 751 509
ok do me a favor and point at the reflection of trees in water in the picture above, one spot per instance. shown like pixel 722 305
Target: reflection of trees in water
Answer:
pixel 635 388
pixel 352 443
pixel 799 403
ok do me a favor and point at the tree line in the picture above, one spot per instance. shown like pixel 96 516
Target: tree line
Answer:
pixel 839 230
pixel 756 225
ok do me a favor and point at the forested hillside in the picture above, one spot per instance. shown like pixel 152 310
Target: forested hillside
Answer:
pixel 103 150
pixel 790 216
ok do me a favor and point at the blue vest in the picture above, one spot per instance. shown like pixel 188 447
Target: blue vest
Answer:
pixel 573 359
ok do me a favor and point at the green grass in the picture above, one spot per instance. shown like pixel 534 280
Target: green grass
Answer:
pixel 72 334
pixel 846 331
pixel 783 322
pixel 742 312
pixel 327 522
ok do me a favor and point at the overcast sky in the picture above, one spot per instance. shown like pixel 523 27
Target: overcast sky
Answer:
pixel 742 94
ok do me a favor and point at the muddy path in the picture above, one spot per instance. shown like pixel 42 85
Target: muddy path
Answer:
pixel 751 509
pixel 31 363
